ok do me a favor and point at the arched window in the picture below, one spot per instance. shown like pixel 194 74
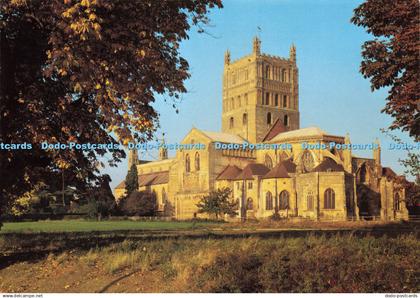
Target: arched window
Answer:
pixel 249 184
pixel 397 201
pixel 187 163
pixel 267 98
pixel 237 204
pixel 286 120
pixel 231 123
pixel 362 173
pixel 283 156
pixel 310 201
pixel 283 75
pixel 329 199
pixel 268 118
pixel 284 200
pixel 197 161
pixel 284 101
pixel 307 161
pixel 245 119
pixel 268 201
pixel 276 100
pixel 163 196
pixel 249 204
pixel 268 161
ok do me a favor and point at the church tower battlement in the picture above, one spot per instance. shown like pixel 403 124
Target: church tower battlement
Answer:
pixel 258 89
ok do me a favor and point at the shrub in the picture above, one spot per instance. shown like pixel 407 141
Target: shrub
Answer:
pixel 139 204
pixel 91 209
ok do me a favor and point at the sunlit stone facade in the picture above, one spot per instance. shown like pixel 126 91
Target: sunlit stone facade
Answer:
pixel 261 105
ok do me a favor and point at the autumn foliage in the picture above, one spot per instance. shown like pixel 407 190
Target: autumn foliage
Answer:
pixel 392 58
pixel 85 71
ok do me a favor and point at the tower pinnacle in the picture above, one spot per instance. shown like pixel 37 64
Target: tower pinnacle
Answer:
pixel 256 47
pixel 227 57
pixel 163 151
pixel 292 53
pixel 133 158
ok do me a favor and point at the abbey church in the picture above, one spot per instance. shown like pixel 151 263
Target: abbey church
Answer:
pixel 261 106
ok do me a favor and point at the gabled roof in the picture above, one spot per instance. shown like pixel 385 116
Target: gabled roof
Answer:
pixel 223 137
pixel 161 178
pixel 154 178
pixel 252 169
pixel 388 172
pixel 121 185
pixel 279 171
pixel 229 173
pixel 277 128
pixel 149 179
pixel 328 165
pixel 301 133
pixel 143 161
pixel 289 165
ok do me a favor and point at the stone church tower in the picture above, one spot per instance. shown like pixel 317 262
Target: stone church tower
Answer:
pixel 258 91
pixel 133 158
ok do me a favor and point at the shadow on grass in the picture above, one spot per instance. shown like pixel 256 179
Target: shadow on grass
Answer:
pixel 31 247
pixel 115 281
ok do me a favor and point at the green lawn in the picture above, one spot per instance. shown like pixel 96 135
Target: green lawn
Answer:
pixel 87 226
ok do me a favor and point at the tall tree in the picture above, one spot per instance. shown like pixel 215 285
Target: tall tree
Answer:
pixel 85 71
pixel 131 180
pixel 391 59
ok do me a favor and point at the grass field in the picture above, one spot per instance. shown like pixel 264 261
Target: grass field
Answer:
pixel 300 264
pixel 89 226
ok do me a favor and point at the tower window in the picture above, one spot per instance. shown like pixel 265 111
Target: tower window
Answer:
pixel 267 72
pixel 267 98
pixel 246 99
pixel 284 101
pixel 231 122
pixel 268 118
pixel 283 75
pixel 286 120
pixel 245 119
pixel 276 100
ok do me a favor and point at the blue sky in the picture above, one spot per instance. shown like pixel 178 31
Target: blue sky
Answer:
pixel 333 94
